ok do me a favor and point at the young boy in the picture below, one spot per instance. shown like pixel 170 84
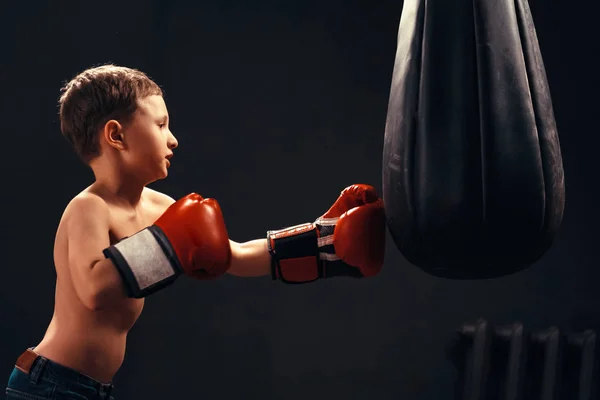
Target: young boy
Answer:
pixel 119 241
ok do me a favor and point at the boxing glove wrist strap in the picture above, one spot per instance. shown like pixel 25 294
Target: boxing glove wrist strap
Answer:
pixel 146 261
pixel 295 254
pixel 306 252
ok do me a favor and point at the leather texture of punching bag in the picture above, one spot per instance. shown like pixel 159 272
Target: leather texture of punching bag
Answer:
pixel 473 180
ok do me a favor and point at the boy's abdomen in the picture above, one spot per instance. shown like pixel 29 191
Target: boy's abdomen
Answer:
pixel 91 342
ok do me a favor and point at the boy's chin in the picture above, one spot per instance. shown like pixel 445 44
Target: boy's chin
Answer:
pixel 157 177
pixel 162 176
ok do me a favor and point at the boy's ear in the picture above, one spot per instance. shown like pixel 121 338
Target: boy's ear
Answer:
pixel 113 134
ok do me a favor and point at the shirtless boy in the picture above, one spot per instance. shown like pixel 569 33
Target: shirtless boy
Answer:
pixel 119 241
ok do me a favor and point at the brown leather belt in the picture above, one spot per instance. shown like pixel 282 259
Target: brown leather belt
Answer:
pixel 26 360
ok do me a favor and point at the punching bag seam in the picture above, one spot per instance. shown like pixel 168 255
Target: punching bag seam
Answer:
pixel 482 138
pixel 415 116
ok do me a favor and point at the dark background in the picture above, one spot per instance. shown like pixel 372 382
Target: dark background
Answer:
pixel 277 107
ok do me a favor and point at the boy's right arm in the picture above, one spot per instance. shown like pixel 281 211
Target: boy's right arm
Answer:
pixel 95 278
pixel 190 237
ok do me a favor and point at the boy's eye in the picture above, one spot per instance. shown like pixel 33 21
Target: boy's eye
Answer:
pixel 161 125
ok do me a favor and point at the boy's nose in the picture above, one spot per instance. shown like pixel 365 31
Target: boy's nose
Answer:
pixel 172 143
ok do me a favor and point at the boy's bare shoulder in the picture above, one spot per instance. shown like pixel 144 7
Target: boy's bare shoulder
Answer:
pixel 158 198
pixel 87 204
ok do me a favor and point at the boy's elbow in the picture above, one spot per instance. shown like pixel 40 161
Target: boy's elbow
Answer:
pixel 93 304
pixel 90 297
pixel 98 298
pixel 100 290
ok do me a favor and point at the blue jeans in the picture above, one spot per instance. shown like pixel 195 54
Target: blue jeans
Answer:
pixel 37 378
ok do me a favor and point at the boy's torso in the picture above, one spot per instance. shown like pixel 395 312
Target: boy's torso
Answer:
pixel 93 342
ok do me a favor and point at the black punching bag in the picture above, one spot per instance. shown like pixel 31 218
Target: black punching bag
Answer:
pixel 473 180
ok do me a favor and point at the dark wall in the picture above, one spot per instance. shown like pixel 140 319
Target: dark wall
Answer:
pixel 277 107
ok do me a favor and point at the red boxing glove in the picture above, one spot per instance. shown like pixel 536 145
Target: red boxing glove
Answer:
pixel 348 240
pixel 190 237
pixel 196 229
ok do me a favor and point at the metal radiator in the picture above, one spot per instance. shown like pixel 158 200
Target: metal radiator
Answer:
pixel 508 363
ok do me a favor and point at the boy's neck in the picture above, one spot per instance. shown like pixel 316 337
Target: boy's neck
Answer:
pixel 123 193
pixel 117 186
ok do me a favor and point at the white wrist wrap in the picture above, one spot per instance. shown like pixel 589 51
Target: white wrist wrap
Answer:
pixel 146 261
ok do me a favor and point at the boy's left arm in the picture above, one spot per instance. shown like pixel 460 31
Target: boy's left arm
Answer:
pixel 249 259
pixel 348 240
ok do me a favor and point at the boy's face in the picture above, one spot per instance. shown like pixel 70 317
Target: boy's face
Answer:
pixel 149 141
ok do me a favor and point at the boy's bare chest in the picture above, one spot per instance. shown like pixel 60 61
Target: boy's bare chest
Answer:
pixel 126 223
